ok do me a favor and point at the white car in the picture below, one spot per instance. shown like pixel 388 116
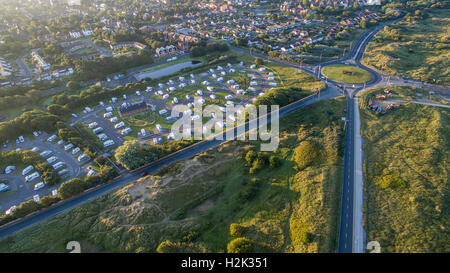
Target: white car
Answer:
pixel 68 147
pixel 52 138
pixel 27 170
pixel 39 186
pixel 63 172
pixel 46 153
pixel 75 150
pixel 58 165
pixel 52 159
pixel 10 169
pixel 31 177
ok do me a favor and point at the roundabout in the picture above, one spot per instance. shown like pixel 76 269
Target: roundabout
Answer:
pixel 347 74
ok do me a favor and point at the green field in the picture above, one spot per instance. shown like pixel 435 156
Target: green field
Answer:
pixel 406 176
pixel 416 48
pixel 85 51
pixel 191 205
pixel 346 74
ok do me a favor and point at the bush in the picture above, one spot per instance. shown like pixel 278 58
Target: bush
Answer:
pixel 236 230
pixel 306 154
pixel 25 208
pixel 71 188
pixel 240 245
pixel 259 61
pixel 305 237
pixel 167 247
pixel 48 200
pixel 274 162
pixel 392 182
pixel 250 156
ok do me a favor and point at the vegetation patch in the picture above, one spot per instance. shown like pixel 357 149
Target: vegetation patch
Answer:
pixel 417 47
pixel 406 177
pixel 346 73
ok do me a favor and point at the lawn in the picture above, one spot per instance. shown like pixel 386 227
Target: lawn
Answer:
pixel 415 48
pixel 85 51
pixel 194 202
pixel 406 177
pixel 346 74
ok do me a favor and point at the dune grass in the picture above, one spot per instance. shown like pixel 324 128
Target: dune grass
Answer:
pixel 414 48
pixel 406 177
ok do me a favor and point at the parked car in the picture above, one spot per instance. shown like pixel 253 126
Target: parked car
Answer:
pixel 31 177
pixel 4 187
pixel 46 153
pixel 52 138
pixel 39 186
pixel 75 150
pixel 27 170
pixel 52 159
pixel 63 172
pixel 68 147
pixel 10 169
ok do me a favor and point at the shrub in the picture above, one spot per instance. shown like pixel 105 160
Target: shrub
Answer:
pixel 250 156
pixel 274 162
pixel 25 208
pixel 259 61
pixel 391 181
pixel 240 245
pixel 306 154
pixel 236 230
pixel 305 237
pixel 48 200
pixel 71 188
pixel 167 247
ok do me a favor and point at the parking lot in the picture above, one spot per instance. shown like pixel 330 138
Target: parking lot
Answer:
pixel 19 190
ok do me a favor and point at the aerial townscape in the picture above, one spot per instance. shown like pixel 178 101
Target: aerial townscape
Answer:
pixel 224 126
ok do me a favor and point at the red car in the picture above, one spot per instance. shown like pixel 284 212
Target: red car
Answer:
pixel 144 174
